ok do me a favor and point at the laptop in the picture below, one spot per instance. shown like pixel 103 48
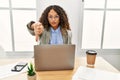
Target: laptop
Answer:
pixel 54 57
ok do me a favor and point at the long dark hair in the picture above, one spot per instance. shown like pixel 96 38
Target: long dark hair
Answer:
pixel 63 17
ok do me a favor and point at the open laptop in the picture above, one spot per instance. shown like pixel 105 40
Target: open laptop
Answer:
pixel 54 57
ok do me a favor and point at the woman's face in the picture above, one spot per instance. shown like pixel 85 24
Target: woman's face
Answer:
pixel 53 19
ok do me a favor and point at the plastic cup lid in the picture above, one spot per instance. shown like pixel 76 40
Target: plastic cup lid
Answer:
pixel 92 52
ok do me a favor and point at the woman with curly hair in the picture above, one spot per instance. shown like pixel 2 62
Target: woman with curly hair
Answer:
pixel 52 28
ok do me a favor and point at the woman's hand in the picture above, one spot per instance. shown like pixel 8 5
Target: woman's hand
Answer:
pixel 38 29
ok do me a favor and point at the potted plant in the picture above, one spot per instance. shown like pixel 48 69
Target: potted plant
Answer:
pixel 31 72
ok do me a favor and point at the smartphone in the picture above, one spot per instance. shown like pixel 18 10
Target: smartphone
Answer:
pixel 18 67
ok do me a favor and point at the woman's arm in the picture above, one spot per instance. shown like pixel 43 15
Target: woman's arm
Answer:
pixel 69 37
pixel 30 29
pixel 35 28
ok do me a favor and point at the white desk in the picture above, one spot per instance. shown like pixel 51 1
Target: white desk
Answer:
pixel 59 75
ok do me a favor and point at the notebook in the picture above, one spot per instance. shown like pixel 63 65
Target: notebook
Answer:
pixel 85 73
pixel 54 57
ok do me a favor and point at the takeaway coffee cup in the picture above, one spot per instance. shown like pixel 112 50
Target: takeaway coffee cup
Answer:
pixel 91 56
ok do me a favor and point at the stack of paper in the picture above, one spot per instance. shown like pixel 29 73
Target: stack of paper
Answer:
pixel 5 70
pixel 84 73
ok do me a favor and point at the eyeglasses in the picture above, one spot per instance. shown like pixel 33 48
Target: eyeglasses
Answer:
pixel 55 17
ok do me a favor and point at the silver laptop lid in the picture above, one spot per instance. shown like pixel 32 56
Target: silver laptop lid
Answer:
pixel 54 57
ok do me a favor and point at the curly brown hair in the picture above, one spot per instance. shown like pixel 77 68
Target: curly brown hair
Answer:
pixel 63 17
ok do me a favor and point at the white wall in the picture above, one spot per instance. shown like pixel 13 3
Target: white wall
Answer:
pixel 2 52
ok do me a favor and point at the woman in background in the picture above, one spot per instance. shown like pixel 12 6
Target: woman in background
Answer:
pixel 52 28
